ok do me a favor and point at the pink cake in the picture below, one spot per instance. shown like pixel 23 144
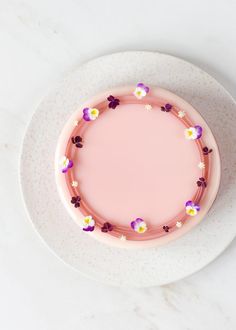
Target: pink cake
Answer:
pixel 137 167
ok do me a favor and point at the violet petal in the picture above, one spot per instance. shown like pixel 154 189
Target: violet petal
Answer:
pixel 199 131
pixel 70 164
pixel 110 98
pixel 168 106
pixel 189 203
pixel 140 85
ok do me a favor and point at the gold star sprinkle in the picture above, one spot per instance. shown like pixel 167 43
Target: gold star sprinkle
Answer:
pixel 179 224
pixel 76 122
pixel 148 107
pixel 201 165
pixel 181 114
pixel 123 238
pixel 74 184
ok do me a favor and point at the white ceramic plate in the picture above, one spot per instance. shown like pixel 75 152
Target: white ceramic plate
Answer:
pixel 121 267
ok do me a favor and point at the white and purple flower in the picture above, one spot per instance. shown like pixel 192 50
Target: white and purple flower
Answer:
pixel 66 163
pixel 193 133
pixel 139 225
pixel 191 208
pixel 88 223
pixel 141 90
pixel 90 114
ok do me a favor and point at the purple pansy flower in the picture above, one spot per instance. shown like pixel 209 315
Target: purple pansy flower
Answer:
pixel 166 108
pixel 107 227
pixel 90 114
pixel 141 85
pixel 113 102
pixel 141 90
pixel 77 140
pixel 139 225
pixel 206 151
pixel 193 133
pixel 166 229
pixel 88 223
pixel 202 182
pixel 191 208
pixel 66 164
pixel 76 201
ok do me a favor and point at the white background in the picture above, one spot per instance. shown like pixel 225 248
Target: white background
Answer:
pixel 40 42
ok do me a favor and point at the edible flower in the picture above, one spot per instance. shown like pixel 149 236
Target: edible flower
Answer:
pixel 66 163
pixel 166 108
pixel 113 102
pixel 141 90
pixel 202 182
pixel 76 201
pixel 77 140
pixel 191 208
pixel 88 223
pixel 139 225
pixel 206 151
pixel 90 114
pixel 193 133
pixel 107 227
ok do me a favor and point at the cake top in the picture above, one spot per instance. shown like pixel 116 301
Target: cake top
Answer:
pixel 133 166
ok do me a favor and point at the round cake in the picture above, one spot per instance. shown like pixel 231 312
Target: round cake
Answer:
pixel 137 167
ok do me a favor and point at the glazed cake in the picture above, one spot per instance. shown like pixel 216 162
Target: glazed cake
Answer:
pixel 137 166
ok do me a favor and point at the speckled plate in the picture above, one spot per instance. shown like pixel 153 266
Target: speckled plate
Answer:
pixel 121 267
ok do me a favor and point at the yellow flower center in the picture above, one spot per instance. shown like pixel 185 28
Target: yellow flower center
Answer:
pixel 141 229
pixel 191 211
pixel 190 133
pixel 94 112
pixel 65 162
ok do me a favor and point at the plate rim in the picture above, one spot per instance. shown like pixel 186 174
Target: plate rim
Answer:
pixel 21 154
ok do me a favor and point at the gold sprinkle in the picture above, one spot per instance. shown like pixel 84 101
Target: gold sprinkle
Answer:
pixel 179 224
pixel 148 107
pixel 201 165
pixel 181 114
